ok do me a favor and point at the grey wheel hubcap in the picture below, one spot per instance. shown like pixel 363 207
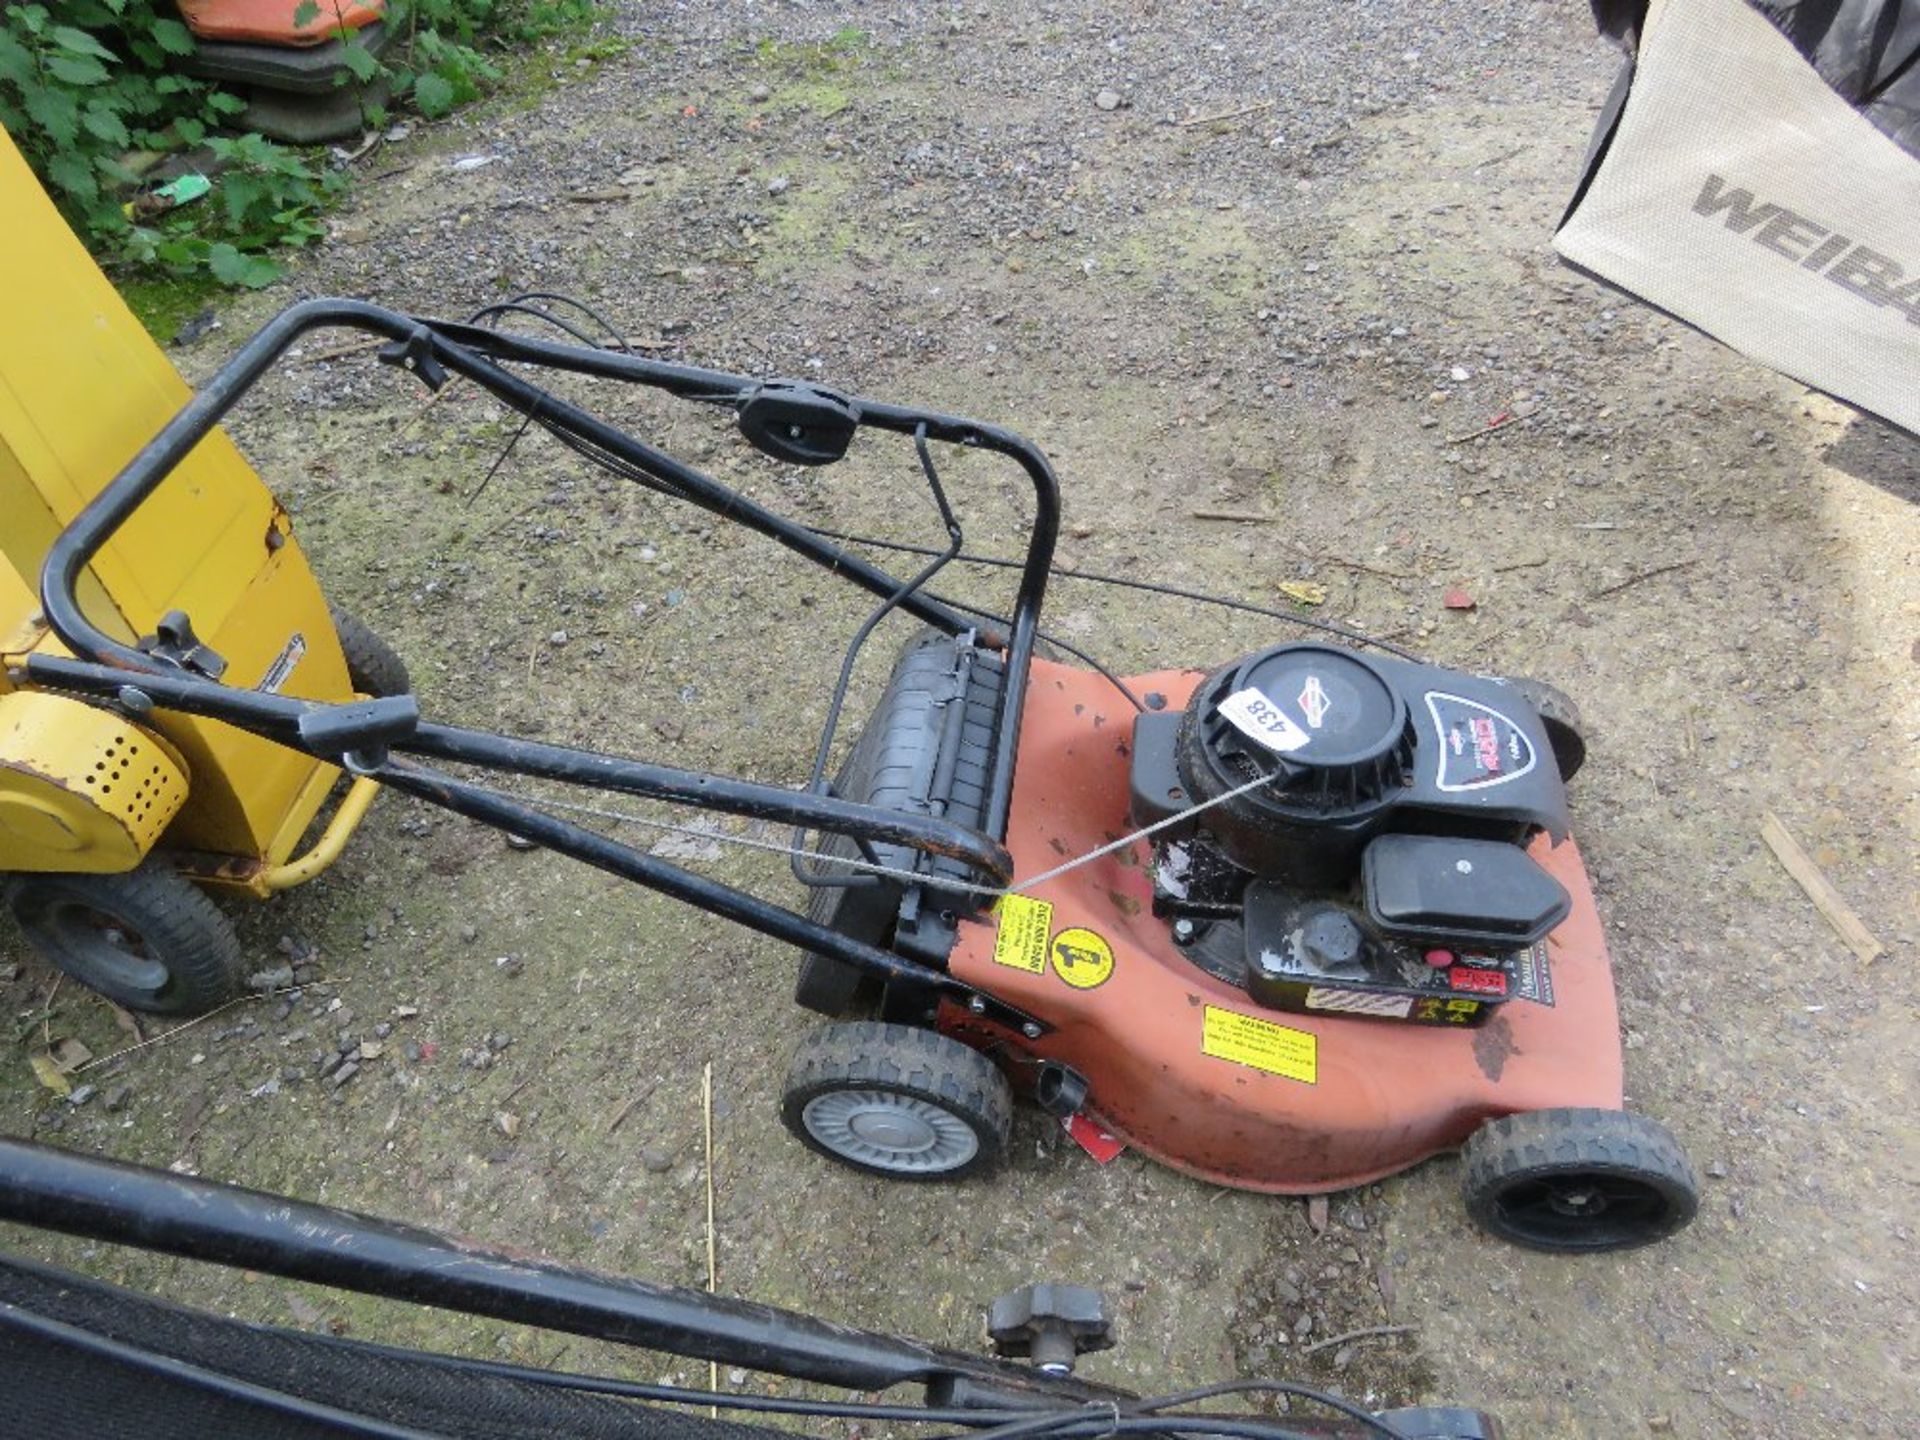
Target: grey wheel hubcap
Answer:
pixel 890 1131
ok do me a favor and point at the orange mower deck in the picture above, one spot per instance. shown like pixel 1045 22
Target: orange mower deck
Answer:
pixel 1186 1067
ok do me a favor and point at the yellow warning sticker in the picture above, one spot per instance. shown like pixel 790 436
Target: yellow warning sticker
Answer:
pixel 1276 1049
pixel 1021 943
pixel 1082 958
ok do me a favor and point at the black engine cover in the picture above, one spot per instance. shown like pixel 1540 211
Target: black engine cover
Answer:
pixel 1365 848
pixel 1455 754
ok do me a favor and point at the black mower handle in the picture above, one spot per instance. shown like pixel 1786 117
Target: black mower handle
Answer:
pixel 433 349
pixel 173 670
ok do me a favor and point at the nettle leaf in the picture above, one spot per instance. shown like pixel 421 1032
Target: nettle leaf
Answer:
pixel 230 267
pixel 190 130
pixel 56 112
pixel 73 175
pixel 173 37
pixel 224 104
pixel 103 124
pixel 81 43
pixel 305 13
pixel 360 61
pixel 241 192
pixel 183 250
pixel 77 69
pixel 434 95
pixel 15 63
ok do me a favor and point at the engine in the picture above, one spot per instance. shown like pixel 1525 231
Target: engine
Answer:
pixel 1362 846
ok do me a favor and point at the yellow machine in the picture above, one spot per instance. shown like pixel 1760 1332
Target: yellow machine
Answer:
pixel 105 822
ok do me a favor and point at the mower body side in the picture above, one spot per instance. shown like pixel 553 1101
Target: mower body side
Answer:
pixel 1185 1066
pixel 82 389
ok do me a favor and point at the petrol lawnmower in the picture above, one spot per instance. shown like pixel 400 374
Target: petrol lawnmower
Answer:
pixel 1291 924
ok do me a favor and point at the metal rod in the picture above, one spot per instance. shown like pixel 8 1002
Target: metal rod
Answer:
pixel 277 718
pixel 929 833
pixel 199 1219
pixel 744 909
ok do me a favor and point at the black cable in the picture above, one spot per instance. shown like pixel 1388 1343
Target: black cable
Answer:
pixel 556 297
pixel 533 414
pixel 955 540
pixel 1124 582
pixel 836 702
pixel 212 1381
pixel 510 307
pixel 1266 1387
pixel 619 466
pixel 681 1395
pixel 1096 1423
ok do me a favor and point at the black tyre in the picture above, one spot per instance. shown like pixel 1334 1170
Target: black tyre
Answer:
pixel 1562 719
pixel 897 1101
pixel 1579 1180
pixel 371 664
pixel 147 939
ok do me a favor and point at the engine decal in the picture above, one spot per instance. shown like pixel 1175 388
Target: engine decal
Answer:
pixel 1083 959
pixel 1314 701
pixel 1479 747
pixel 1532 976
pixel 1457 1011
pixel 1477 982
pixel 1359 1002
pixel 1261 1045
pixel 1021 941
pixel 1264 722
pixel 282 667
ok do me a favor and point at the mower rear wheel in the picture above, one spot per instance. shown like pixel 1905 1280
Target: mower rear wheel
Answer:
pixel 898 1101
pixel 1579 1180
pixel 148 939
pixel 372 666
pixel 1562 719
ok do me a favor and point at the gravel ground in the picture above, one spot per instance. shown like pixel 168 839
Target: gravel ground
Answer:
pixel 1010 210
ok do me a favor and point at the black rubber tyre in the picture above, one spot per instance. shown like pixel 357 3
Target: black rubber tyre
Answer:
pixel 898 1101
pixel 148 939
pixel 1562 719
pixel 1579 1180
pixel 372 666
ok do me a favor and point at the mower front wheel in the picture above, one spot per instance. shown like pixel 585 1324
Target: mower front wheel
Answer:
pixel 898 1101
pixel 373 668
pixel 1561 716
pixel 1579 1180
pixel 148 939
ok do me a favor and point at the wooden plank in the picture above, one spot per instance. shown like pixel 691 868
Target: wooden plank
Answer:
pixel 1819 889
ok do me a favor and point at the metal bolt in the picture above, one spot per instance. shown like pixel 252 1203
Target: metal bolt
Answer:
pixel 977 1004
pixel 1183 931
pixel 1030 1030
